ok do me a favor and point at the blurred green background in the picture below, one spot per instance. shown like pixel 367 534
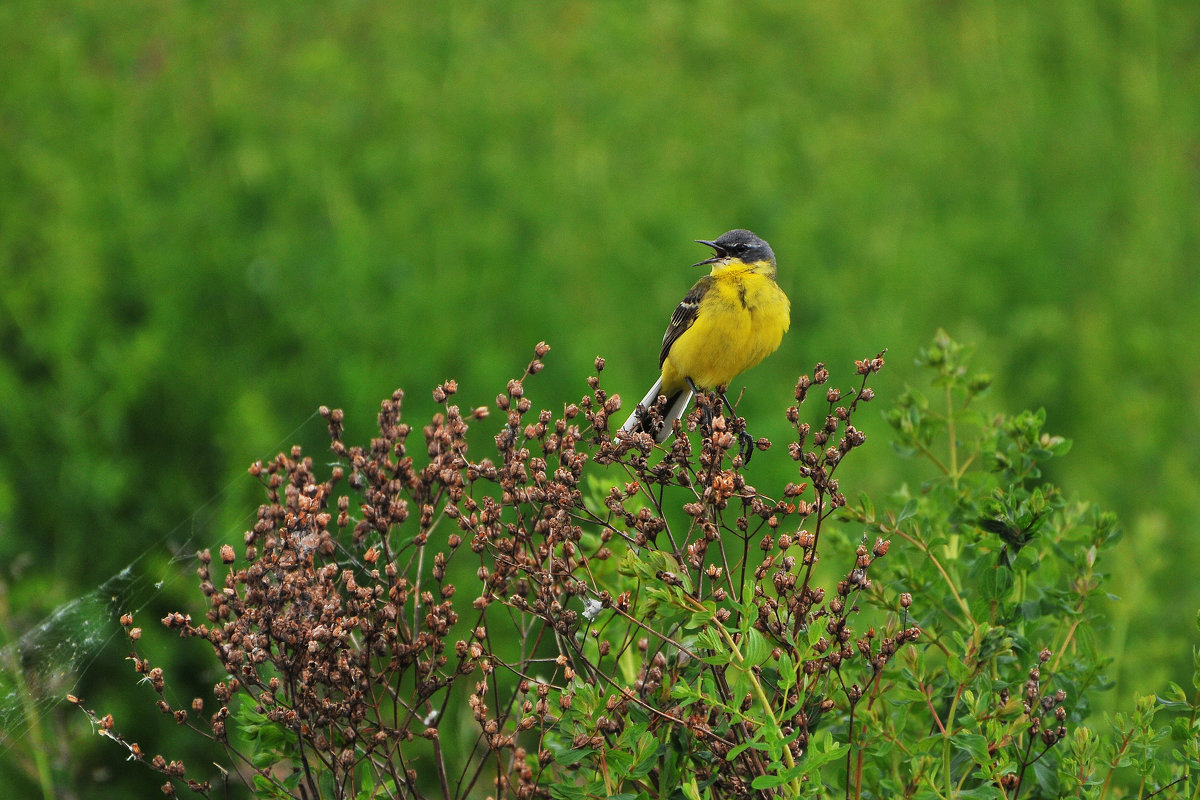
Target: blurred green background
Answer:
pixel 216 216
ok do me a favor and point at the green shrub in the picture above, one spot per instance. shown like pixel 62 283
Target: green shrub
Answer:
pixel 589 615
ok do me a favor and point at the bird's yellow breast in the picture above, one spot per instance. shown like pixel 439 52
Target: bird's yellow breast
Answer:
pixel 740 321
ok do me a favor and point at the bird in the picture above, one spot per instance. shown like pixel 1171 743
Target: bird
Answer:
pixel 733 318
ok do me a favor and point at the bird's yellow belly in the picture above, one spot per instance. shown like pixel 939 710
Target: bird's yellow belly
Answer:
pixel 743 327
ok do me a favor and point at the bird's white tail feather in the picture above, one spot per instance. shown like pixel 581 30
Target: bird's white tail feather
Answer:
pixel 646 402
pixel 673 412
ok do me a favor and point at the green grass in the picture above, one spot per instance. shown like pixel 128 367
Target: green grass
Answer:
pixel 215 218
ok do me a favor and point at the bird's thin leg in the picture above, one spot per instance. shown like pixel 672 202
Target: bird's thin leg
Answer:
pixel 745 440
pixel 728 404
pixel 706 410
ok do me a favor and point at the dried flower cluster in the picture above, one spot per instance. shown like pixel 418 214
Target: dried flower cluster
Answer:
pixel 578 621
pixel 1044 719
pixel 581 614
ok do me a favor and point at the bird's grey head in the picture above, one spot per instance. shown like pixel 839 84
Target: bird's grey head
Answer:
pixel 741 244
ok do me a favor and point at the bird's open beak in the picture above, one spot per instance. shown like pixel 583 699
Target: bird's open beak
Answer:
pixel 717 256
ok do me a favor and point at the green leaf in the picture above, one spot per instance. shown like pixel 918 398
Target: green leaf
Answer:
pixel 794 772
pixel 1046 774
pixel 908 512
pixel 574 756
pixel 814 634
pixel 974 745
pixel 385 788
pixel 718 658
pixel 1060 446
pixel 959 672
pixel 867 505
pixel 681 691
pixel 824 750
pixel 755 648
pixel 996 582
pixel 567 790
pixel 619 761
pixel 768 781
pixel 1175 693
pixel 709 638
pixel 645 755
pixel 787 673
pixel 739 749
pixel 901 695
pixel 975 793
pixel 700 619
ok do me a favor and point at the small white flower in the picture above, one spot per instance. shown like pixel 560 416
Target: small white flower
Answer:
pixel 430 718
pixel 592 608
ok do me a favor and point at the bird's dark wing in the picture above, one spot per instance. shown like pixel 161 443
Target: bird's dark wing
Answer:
pixel 684 316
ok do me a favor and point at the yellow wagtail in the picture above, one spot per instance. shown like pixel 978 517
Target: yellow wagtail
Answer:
pixel 733 318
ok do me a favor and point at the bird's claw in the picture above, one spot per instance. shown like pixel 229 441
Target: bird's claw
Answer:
pixel 745 446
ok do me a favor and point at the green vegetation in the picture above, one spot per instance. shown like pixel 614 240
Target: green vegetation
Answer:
pixel 215 218
pixel 574 616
